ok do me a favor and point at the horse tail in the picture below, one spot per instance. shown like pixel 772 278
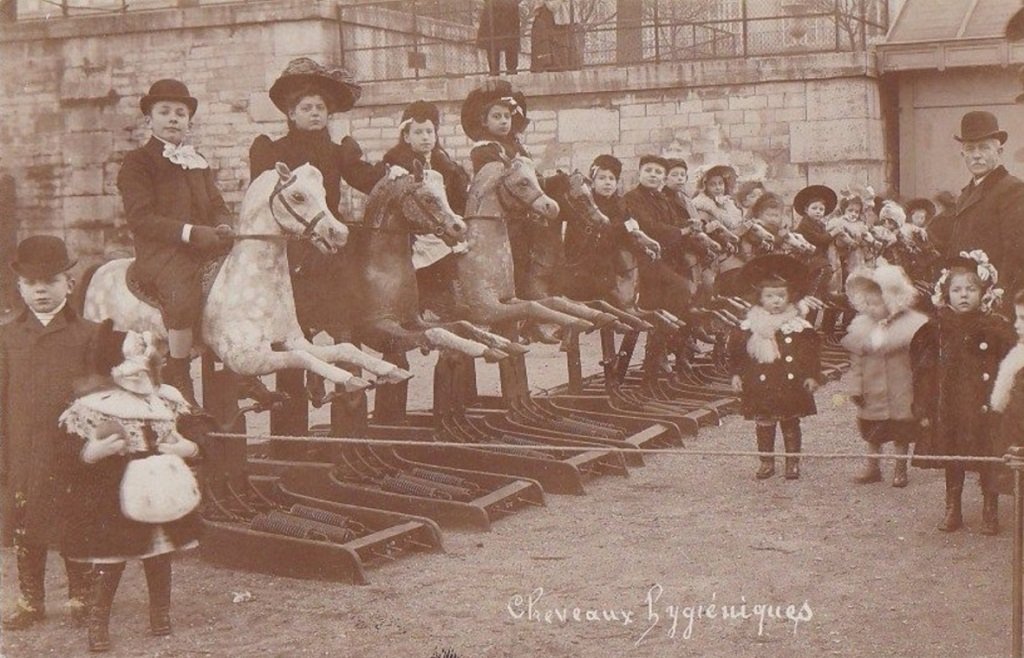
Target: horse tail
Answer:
pixel 77 299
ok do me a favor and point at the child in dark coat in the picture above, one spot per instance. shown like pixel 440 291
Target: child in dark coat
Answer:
pixel 880 382
pixel 131 494
pixel 955 358
pixel 775 358
pixel 42 351
pixel 178 219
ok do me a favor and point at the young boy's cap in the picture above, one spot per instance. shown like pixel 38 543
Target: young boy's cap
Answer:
pixel 786 270
pixel 608 163
pixel 41 256
pixel 674 163
pixel 168 90
pixel 482 98
pixel 810 193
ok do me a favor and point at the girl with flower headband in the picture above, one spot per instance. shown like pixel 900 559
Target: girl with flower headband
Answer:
pixel 955 359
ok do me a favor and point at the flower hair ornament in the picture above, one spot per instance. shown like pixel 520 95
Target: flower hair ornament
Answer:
pixel 986 272
pixel 513 106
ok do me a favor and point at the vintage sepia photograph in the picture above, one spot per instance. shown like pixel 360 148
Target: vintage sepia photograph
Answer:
pixel 502 328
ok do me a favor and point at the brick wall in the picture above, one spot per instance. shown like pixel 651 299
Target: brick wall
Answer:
pixel 71 90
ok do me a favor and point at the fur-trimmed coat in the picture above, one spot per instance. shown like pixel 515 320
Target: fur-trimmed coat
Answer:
pixel 955 359
pixel 880 370
pixel 1008 402
pixel 775 388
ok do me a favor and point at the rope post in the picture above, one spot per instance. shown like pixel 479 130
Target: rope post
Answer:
pixel 1015 460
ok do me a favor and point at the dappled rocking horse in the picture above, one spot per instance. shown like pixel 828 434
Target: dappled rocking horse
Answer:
pixel 249 319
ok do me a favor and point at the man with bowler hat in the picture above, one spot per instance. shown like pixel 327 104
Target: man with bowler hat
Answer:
pixel 990 209
pixel 43 351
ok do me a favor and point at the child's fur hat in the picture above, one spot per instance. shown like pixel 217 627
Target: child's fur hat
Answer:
pixel 890 281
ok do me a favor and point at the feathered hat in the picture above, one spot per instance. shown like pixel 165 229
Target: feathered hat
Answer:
pixel 336 85
pixel 482 98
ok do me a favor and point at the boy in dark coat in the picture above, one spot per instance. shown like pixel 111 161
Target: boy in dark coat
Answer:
pixel 775 358
pixel 955 358
pixel 42 351
pixel 178 219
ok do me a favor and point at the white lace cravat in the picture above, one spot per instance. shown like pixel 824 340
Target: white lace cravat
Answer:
pixel 185 156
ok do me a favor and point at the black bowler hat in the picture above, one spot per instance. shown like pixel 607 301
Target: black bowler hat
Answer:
pixel 978 125
pixel 168 90
pixel 813 193
pixel 41 256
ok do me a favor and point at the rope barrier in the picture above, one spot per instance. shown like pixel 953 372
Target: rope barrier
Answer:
pixel 266 438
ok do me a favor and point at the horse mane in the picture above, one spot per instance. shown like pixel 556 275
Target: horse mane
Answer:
pixel 381 197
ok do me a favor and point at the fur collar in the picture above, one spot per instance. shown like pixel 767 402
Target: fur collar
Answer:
pixel 762 325
pixel 866 336
pixel 1012 364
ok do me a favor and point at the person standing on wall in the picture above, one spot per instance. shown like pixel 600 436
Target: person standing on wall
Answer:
pixel 499 33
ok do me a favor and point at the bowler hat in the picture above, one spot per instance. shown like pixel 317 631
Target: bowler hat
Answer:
pixel 41 256
pixel 421 111
pixel 978 125
pixel 336 85
pixel 168 90
pixel 772 268
pixel 481 99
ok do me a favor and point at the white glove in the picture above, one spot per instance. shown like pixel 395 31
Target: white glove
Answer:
pixel 182 447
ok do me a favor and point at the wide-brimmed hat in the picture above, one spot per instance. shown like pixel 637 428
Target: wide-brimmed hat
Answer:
pixel 421 111
pixel 978 125
pixel 805 196
pixel 336 86
pixel 921 203
pixel 890 281
pixel 608 163
pixel 482 98
pixel 41 256
pixel 774 268
pixel 168 90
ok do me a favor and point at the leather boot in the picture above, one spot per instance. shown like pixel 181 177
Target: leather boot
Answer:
pixel 31 577
pixel 158 580
pixel 79 583
pixel 792 438
pixel 104 585
pixel 990 514
pixel 178 373
pixel 953 520
pixel 872 467
pixel 766 443
pixel 899 471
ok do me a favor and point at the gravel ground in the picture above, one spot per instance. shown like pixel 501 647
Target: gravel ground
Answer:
pixel 865 570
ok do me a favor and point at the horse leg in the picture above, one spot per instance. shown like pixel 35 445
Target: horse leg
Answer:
pixel 518 308
pixel 348 353
pixel 274 361
pixel 442 339
pixel 469 330
pixel 564 305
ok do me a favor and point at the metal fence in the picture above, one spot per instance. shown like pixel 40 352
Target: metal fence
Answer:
pixel 409 39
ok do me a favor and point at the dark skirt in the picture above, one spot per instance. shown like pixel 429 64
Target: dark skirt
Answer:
pixel 884 431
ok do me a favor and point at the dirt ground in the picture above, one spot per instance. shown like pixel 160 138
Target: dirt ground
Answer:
pixel 864 567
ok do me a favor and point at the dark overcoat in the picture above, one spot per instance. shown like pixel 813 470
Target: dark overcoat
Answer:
pixel 37 368
pixel 820 269
pixel 160 197
pixel 990 217
pixel 776 390
pixel 955 359
pixel 499 25
pixel 317 279
pixel 661 284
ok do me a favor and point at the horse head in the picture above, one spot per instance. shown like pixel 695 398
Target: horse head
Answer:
pixel 795 243
pixel 580 199
pixel 419 198
pixel 701 245
pixel 718 232
pixel 298 205
pixel 518 186
pixel 756 235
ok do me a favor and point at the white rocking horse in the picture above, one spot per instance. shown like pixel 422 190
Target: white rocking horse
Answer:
pixel 249 316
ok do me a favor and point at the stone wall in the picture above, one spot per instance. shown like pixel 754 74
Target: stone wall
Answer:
pixel 71 89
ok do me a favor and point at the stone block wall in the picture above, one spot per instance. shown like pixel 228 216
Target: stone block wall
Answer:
pixel 70 91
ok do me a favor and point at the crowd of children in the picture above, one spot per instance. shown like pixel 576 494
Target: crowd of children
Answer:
pixel 947 377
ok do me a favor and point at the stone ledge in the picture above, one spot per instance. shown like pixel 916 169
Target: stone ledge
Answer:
pixel 227 15
pixel 647 77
